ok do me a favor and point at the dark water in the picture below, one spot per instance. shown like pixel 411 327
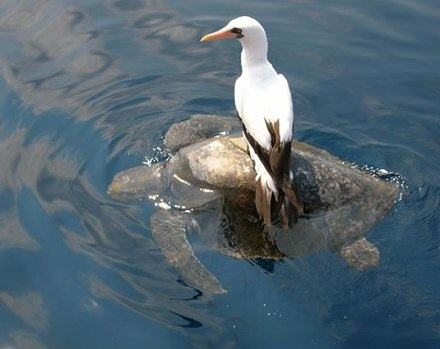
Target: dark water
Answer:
pixel 88 88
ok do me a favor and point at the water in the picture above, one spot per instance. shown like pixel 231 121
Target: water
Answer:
pixel 88 88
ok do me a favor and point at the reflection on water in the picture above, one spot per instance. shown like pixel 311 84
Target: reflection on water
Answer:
pixel 29 308
pixel 88 88
pixel 61 62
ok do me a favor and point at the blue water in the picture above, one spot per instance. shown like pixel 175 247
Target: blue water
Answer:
pixel 88 88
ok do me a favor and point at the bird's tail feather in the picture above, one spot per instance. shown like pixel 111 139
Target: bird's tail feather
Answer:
pixel 284 201
pixel 263 201
pixel 291 207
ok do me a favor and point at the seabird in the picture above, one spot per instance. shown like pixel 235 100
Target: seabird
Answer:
pixel 264 106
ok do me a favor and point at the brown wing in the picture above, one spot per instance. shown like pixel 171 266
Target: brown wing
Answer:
pixel 276 161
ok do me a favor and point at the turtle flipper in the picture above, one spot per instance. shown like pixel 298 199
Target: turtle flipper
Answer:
pixel 169 230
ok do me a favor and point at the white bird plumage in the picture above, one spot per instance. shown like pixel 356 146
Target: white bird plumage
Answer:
pixel 264 105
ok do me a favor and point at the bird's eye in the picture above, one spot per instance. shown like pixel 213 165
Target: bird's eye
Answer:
pixel 238 31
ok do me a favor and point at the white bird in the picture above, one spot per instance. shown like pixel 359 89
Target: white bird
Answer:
pixel 264 105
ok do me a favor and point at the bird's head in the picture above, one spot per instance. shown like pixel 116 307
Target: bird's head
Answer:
pixel 246 29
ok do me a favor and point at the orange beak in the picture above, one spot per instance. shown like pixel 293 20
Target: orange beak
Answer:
pixel 224 33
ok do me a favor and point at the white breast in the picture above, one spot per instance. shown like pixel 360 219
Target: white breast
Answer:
pixel 264 97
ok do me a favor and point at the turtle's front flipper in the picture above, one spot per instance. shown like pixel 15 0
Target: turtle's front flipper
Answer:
pixel 169 230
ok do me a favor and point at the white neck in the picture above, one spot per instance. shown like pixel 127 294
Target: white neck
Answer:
pixel 254 51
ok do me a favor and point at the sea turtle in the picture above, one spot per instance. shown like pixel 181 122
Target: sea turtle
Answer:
pixel 207 186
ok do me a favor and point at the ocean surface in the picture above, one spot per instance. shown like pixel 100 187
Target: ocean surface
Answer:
pixel 89 87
